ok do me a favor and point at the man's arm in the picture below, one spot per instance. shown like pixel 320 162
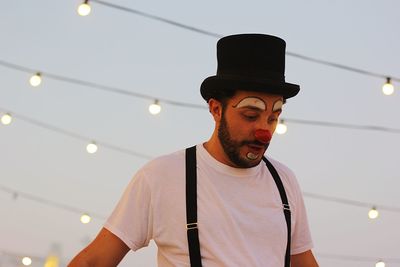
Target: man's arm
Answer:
pixel 305 259
pixel 106 250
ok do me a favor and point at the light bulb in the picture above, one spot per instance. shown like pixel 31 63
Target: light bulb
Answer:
pixel 6 119
pixel 281 128
pixel 380 264
pixel 91 148
pixel 84 9
pixel 85 218
pixel 373 213
pixel 155 108
pixel 52 261
pixel 26 261
pixel 36 79
pixel 388 87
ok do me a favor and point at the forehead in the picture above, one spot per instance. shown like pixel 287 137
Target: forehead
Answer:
pixel 267 98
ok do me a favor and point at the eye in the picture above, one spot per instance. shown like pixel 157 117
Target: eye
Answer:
pixel 250 116
pixel 273 119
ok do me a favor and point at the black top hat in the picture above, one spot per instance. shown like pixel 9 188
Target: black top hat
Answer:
pixel 250 62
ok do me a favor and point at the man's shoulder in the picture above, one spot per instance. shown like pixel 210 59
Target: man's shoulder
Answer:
pixel 281 167
pixel 167 164
pixel 166 161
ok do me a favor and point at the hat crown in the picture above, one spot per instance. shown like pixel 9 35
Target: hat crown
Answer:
pixel 256 55
pixel 249 62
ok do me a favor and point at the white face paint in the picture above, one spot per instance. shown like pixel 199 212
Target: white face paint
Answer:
pixel 277 105
pixel 252 101
pixel 251 156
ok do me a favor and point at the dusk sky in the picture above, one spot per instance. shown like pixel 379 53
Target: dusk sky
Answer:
pixel 102 71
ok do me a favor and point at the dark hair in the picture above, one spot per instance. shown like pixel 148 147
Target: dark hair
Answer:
pixel 222 95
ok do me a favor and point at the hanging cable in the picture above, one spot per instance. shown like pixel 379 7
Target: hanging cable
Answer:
pixel 351 202
pixel 356 258
pixel 85 218
pixel 343 125
pixel 99 86
pixel 212 34
pixel 81 137
pixel 48 202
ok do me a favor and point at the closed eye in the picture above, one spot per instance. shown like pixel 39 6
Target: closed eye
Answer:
pixel 250 117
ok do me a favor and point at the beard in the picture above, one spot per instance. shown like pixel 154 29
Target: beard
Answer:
pixel 232 147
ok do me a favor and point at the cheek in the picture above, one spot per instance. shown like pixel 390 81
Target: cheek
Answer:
pixel 243 130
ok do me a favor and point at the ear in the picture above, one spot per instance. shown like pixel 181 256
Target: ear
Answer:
pixel 215 108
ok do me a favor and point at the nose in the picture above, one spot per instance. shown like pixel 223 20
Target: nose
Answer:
pixel 263 136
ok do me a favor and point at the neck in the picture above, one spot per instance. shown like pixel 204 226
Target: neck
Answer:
pixel 214 148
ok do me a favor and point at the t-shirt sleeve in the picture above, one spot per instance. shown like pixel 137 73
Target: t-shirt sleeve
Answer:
pixel 301 235
pixel 131 220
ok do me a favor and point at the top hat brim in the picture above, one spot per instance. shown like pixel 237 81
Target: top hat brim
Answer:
pixel 211 86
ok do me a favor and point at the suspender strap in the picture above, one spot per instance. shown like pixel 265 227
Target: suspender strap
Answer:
pixel 286 207
pixel 191 208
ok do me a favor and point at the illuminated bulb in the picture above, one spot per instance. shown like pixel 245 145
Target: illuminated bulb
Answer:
pixel 91 148
pixel 373 213
pixel 36 80
pixel 388 87
pixel 155 108
pixel 52 261
pixel 26 261
pixel 84 9
pixel 281 128
pixel 85 218
pixel 6 119
pixel 380 264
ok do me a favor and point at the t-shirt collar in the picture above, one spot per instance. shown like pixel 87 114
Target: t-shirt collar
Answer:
pixel 221 167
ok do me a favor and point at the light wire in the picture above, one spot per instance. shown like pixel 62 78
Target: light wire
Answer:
pixel 212 34
pixel 78 136
pixel 98 86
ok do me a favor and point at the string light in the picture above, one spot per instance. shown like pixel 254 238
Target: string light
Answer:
pixel 75 210
pixel 145 156
pixel 36 79
pixel 155 108
pixel 80 137
pixel 380 264
pixel 281 128
pixel 112 89
pixel 91 148
pixel 85 218
pixel 6 119
pixel 388 88
pixel 373 213
pixel 52 261
pixel 213 34
pixel 84 9
pixel 26 261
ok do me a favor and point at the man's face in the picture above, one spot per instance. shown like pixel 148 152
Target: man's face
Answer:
pixel 244 117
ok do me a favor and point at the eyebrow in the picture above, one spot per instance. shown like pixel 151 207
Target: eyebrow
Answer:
pixel 280 108
pixel 249 105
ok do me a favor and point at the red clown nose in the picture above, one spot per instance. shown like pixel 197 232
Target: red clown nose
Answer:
pixel 263 136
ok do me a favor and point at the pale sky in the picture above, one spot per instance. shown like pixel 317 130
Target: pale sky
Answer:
pixel 140 55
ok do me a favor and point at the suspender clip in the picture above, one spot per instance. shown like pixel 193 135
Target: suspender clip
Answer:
pixel 191 226
pixel 286 207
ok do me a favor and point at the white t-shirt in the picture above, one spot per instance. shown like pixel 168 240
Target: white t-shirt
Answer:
pixel 240 215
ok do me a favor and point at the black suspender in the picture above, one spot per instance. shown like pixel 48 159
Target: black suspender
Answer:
pixel 191 207
pixel 286 207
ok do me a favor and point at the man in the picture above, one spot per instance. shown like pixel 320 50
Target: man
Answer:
pixel 220 203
